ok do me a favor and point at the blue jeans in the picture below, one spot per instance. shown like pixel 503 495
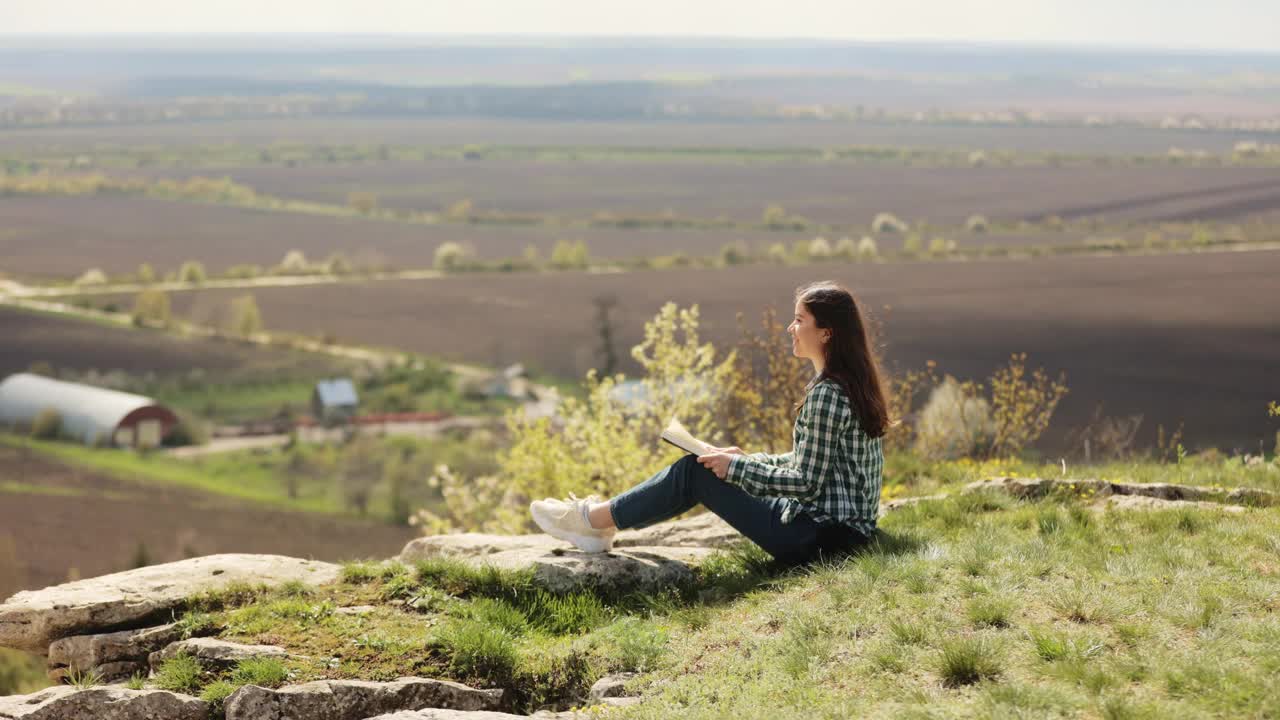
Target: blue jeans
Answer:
pixel 685 483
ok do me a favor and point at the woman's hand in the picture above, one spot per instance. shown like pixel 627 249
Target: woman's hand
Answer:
pixel 717 462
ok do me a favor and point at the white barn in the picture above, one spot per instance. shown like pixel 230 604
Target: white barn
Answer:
pixel 90 414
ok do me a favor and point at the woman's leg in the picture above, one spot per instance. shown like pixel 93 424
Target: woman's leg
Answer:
pixel 686 483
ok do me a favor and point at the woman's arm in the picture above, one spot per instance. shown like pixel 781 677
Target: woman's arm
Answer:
pixel 823 419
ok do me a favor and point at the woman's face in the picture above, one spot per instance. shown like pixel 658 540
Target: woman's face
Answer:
pixel 806 337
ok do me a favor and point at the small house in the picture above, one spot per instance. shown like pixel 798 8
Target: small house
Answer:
pixel 334 402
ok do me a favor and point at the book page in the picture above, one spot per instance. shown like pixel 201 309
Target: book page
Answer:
pixel 677 435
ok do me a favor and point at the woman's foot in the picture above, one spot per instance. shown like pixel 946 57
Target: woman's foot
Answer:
pixel 567 520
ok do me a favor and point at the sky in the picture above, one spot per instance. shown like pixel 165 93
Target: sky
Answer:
pixel 1242 25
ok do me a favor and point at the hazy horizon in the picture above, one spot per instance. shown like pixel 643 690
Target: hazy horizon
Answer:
pixel 1230 26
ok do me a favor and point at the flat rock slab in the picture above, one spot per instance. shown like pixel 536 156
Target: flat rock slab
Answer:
pixel 213 653
pixel 474 545
pixel 1040 487
pixel 623 570
pixel 1142 502
pixel 32 619
pixel 102 703
pixel 349 699
pixel 483 715
pixel 112 655
pixel 705 531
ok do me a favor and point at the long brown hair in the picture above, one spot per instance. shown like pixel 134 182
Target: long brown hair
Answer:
pixel 848 357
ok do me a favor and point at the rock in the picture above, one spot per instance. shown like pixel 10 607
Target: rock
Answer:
pixel 609 686
pixel 358 610
pixel 1142 502
pixel 102 703
pixel 1039 487
pixel 1031 488
pixel 351 699
pixel 623 570
pixel 706 530
pixel 438 714
pixel 470 545
pixel 214 654
pixel 111 655
pixel 32 619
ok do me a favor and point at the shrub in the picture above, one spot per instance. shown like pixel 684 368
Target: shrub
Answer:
pixel 191 272
pixel 913 244
pixel 847 248
pixel 151 307
pixel 977 224
pixel 92 276
pixel 146 274
pixel 941 246
pixel 734 253
pixel 189 430
pixel 567 255
pixel 955 422
pixel 888 223
pixel 1022 407
pixel 605 442
pixel 819 248
pixel 450 256
pixel 245 320
pixel 777 253
pixel 337 264
pixel 294 263
pixel 47 424
pixel 867 248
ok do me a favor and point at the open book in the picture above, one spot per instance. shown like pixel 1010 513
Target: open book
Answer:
pixel 677 435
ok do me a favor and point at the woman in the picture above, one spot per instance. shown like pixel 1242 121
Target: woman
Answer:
pixel 821 497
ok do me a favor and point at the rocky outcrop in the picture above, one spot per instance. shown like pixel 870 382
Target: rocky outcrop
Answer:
pixel 215 654
pixel 112 656
pixel 621 571
pixel 474 545
pixel 1142 502
pixel 610 686
pixel 33 619
pixel 102 703
pixel 706 530
pixel 482 715
pixel 348 699
pixel 1031 488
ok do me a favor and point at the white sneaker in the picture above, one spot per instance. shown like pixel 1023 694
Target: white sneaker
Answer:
pixel 565 519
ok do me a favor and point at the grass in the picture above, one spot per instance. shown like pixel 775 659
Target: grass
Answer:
pixel 965 606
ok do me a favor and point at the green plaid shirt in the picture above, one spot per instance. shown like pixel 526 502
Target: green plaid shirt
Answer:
pixel 833 471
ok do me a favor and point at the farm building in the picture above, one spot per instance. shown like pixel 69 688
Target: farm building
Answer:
pixel 89 414
pixel 334 401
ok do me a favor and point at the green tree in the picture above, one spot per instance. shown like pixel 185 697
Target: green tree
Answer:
pixel 245 319
pixel 192 271
pixel 569 255
pixel 151 307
